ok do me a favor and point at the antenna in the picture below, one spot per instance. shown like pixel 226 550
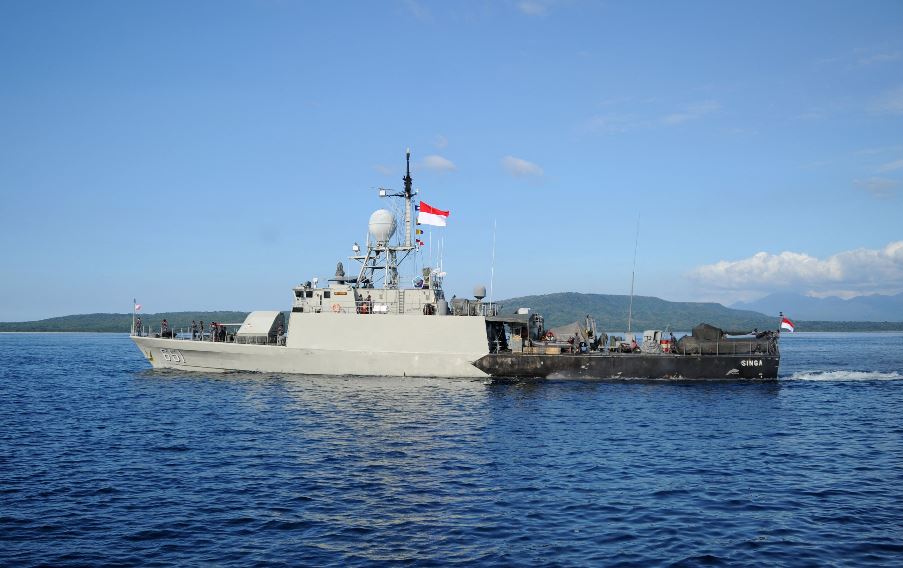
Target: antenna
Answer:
pixel 492 266
pixel 407 201
pixel 636 244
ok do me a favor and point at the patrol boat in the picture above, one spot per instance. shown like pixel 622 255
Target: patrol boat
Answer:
pixel 369 323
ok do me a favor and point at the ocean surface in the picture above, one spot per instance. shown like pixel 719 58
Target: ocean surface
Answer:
pixel 105 462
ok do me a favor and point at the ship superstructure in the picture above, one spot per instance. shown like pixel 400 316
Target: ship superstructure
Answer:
pixel 369 323
pixel 376 289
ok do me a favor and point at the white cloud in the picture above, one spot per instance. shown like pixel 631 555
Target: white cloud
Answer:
pixel 611 123
pixel 532 7
pixel 846 274
pixel 891 102
pixel 440 141
pixel 877 150
pixel 880 57
pixel 418 10
pixel 438 163
pixel 820 112
pixel 693 112
pixel 878 186
pixel 518 167
pixel 862 57
pixel 891 166
pixel 619 122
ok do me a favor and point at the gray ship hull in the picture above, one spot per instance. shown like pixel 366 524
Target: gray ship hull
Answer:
pixel 630 365
pixel 340 344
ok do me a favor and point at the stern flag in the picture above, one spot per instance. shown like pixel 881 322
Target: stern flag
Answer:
pixel 786 324
pixel 137 305
pixel 429 215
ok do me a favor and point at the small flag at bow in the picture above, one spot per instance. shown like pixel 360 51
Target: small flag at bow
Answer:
pixel 137 305
pixel 787 324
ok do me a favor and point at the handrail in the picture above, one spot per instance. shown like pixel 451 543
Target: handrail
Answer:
pixel 751 348
pixel 184 334
pixel 369 307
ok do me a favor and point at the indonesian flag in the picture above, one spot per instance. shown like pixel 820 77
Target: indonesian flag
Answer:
pixel 429 215
pixel 137 305
pixel 787 324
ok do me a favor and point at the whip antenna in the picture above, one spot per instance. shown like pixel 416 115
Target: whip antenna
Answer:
pixel 636 243
pixel 492 265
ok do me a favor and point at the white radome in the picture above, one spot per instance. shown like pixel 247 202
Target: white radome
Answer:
pixel 382 225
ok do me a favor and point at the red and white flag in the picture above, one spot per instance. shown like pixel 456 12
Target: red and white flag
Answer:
pixel 787 324
pixel 429 215
pixel 137 305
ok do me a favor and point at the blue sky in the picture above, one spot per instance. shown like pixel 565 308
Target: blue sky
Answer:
pixel 210 155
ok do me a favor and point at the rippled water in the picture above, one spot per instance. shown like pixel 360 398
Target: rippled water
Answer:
pixel 105 462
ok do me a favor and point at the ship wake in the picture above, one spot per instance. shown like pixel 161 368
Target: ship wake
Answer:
pixel 840 376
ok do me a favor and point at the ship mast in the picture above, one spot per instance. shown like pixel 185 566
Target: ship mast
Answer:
pixel 407 202
pixel 376 249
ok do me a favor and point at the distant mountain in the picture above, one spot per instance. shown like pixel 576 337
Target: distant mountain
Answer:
pixel 610 312
pixel 860 308
pixel 121 322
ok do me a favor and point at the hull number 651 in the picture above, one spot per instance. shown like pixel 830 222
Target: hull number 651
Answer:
pixel 172 355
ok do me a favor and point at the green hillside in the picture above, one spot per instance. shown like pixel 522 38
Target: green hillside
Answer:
pixel 121 322
pixel 610 312
pixel 848 325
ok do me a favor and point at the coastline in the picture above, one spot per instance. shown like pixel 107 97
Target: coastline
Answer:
pixel 897 329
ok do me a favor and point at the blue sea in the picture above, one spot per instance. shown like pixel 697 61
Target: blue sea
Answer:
pixel 105 462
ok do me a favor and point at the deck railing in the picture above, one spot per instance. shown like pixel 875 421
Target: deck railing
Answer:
pixel 185 334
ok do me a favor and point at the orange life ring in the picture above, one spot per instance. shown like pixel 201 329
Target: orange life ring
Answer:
pixel 336 308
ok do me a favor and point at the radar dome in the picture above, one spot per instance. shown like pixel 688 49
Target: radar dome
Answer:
pixel 479 292
pixel 382 225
